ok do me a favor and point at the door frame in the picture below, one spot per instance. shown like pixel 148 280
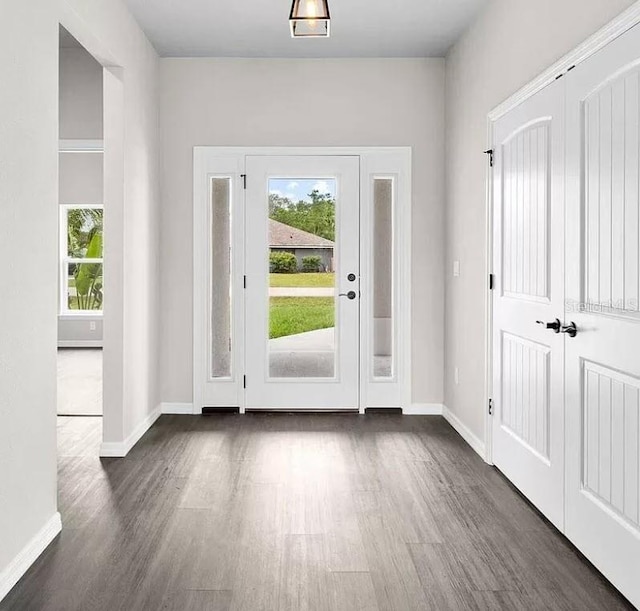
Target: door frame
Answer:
pixel 375 162
pixel 615 28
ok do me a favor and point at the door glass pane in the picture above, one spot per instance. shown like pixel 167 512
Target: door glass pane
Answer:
pixel 221 277
pixel 383 278
pixel 301 256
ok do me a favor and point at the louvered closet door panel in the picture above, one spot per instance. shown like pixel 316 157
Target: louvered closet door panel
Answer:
pixel 528 260
pixel 603 360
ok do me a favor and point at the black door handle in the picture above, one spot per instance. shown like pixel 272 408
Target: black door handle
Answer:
pixel 349 295
pixel 571 330
pixel 555 325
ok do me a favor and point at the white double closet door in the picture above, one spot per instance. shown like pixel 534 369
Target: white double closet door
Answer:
pixel 566 426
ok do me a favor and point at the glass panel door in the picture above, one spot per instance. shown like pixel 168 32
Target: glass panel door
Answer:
pixel 302 313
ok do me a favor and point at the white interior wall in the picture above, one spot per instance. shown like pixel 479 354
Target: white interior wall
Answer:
pixel 28 224
pixel 291 102
pixel 511 42
pixel 81 95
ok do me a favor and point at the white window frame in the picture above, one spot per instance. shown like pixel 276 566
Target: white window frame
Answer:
pixel 65 260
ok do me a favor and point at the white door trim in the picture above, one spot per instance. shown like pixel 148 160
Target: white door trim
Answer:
pixel 615 28
pixel 375 162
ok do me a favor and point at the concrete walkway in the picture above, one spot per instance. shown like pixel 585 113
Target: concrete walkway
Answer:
pixel 305 355
pixel 311 354
pixel 321 340
pixel 301 291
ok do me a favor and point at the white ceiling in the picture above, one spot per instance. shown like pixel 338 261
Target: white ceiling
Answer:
pixel 260 28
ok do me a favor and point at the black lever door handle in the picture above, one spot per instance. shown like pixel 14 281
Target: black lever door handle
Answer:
pixel 555 325
pixel 349 295
pixel 571 330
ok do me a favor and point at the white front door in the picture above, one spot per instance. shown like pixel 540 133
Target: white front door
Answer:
pixel 603 300
pixel 302 329
pixel 528 299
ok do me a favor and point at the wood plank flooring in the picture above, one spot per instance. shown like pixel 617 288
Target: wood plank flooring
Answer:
pixel 298 512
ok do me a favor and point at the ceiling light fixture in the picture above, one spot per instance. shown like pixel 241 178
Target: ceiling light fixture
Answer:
pixel 310 19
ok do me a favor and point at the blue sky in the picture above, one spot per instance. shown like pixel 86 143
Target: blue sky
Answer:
pixel 297 189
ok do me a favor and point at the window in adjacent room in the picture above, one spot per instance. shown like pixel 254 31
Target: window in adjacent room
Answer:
pixel 81 263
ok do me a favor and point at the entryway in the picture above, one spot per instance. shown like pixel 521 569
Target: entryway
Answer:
pixel 301 278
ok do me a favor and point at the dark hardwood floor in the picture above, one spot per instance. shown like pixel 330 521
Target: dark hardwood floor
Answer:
pixel 298 512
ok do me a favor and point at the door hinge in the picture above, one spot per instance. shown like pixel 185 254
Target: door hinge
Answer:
pixel 490 153
pixel 490 407
pixel 244 381
pixel 244 282
pixel 492 280
pixel 244 180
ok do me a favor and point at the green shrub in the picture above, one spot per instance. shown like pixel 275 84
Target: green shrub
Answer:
pixel 311 264
pixel 283 263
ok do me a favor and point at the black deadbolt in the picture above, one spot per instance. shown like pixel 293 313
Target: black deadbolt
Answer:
pixel 351 277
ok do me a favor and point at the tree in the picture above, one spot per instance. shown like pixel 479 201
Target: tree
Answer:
pixel 88 277
pixel 317 216
pixel 82 225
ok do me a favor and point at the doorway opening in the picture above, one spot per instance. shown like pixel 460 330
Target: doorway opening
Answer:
pixel 81 242
pixel 91 240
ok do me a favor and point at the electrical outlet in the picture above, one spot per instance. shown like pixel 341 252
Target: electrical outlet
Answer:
pixel 92 325
pixel 456 269
pixel 456 376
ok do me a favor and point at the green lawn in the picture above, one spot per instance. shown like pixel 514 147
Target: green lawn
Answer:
pixel 292 315
pixel 315 280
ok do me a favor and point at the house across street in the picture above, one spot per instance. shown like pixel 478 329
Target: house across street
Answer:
pixel 284 238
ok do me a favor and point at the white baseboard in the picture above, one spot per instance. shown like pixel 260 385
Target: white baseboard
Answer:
pixel 79 343
pixel 177 408
pixel 29 554
pixel 115 449
pixel 423 409
pixel 464 432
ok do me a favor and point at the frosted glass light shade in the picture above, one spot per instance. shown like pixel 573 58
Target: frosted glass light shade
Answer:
pixel 310 19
